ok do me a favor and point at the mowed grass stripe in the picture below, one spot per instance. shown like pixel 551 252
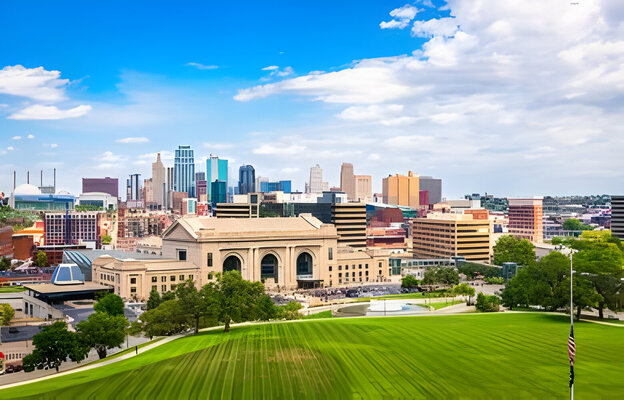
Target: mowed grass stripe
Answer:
pixel 465 356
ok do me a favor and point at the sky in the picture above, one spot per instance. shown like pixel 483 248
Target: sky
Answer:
pixel 512 98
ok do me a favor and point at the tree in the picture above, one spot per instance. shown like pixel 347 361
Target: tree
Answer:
pixel 191 302
pixel 512 249
pixel 165 320
pixel 110 304
pixel 573 224
pixel 231 298
pixel 102 331
pixel 167 296
pixel 290 310
pixel 488 303
pixel 556 241
pixel 5 263
pixel 444 276
pixel 471 270
pixel 53 346
pixel 266 308
pixel 464 289
pixel 41 259
pixel 154 300
pixel 495 281
pixel 6 314
pixel 602 263
pixel 409 282
pixel 106 239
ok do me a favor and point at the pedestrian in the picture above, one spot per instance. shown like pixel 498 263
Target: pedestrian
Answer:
pixel 136 349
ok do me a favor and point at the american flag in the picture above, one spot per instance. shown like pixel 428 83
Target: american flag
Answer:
pixel 571 354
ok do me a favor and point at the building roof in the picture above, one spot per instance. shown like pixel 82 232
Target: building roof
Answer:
pixel 91 255
pixel 48 288
pixel 26 188
pixel 208 226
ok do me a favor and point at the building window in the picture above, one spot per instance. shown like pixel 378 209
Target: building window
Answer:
pixel 163 279
pixel 154 287
pixel 133 289
pixel 181 277
pixel 380 272
pixel 330 267
pixel 360 266
pixel 181 255
pixel 210 259
pixel 172 278
pixel 340 268
pixel 133 281
pixel 360 273
pixel 191 277
pixel 154 279
pixel 163 288
pixel 365 265
pixel 330 253
pixel 346 267
pixel 173 287
pixel 339 274
pixel 366 273
pixel 379 264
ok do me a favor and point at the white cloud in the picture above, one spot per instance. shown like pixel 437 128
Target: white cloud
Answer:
pixel 38 112
pixel 202 66
pixel 10 148
pixel 435 27
pixel 33 83
pixel 133 140
pixel 270 68
pixel 31 136
pixel 54 145
pixel 401 17
pixel 277 72
pixel 284 150
pixel 16 138
pixel 109 156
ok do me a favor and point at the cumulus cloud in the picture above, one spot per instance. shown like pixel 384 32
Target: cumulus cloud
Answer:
pixel 109 156
pixel 38 111
pixel 32 83
pixel 16 138
pixel 10 148
pixel 270 68
pixel 277 72
pixel 401 17
pixel 133 140
pixel 500 83
pixel 54 145
pixel 202 66
pixel 30 136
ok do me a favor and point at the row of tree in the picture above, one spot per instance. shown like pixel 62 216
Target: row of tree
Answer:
pixel 104 329
pixel 229 299
pixel 597 279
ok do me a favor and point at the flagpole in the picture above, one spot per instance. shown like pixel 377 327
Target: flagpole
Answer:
pixel 571 325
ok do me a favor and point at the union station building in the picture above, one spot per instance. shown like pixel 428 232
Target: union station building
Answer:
pixel 284 253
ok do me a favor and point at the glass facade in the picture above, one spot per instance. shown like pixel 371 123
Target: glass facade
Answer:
pixel 246 179
pixel 184 170
pixel 50 202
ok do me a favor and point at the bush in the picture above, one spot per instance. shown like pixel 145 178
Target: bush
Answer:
pixel 488 303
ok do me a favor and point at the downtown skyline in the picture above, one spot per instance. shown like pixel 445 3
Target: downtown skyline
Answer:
pixel 474 95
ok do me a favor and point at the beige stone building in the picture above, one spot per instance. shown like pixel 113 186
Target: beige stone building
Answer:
pixel 453 235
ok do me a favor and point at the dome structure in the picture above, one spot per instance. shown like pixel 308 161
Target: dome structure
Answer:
pixel 26 189
pixel 67 274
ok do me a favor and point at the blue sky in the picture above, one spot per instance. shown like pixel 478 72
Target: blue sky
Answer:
pixel 487 96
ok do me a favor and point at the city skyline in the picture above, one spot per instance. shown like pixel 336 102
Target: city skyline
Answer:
pixel 474 96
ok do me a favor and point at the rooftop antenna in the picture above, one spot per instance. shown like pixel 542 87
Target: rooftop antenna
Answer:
pixel 14 180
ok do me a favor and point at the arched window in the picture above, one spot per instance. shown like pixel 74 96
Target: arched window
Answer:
pixel 304 264
pixel 232 263
pixel 268 267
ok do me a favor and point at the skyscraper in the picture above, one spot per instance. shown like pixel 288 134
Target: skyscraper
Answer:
pixel 158 182
pixel 133 188
pixel 103 185
pixel 363 188
pixel 216 170
pixel 316 184
pixel 184 170
pixel 433 186
pixel 525 219
pixel 617 216
pixel 246 179
pixel 401 190
pixel 347 180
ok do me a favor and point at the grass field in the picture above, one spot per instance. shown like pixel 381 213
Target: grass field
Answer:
pixel 459 356
pixel 12 289
pixel 442 304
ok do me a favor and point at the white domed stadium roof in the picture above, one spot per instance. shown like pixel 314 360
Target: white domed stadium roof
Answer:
pixel 26 189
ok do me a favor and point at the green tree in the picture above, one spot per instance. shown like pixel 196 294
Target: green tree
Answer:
pixel 192 303
pixel 584 293
pixel 53 346
pixel 232 299
pixel 602 264
pixel 512 249
pixel 464 289
pixel 442 276
pixel 154 300
pixel 266 308
pixel 471 270
pixel 110 304
pixel 409 282
pixel 488 303
pixel 168 296
pixel 556 241
pixel 6 314
pixel 290 311
pixel 165 320
pixel 41 259
pixel 102 331
pixel 573 224
pixel 106 239
pixel 5 263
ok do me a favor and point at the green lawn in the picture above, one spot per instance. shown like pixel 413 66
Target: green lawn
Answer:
pixel 12 289
pixel 459 356
pixel 319 315
pixel 442 304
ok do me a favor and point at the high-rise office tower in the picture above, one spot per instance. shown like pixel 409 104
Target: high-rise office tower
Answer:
pixel 363 188
pixel 184 170
pixel 246 179
pixel 168 188
pixel 347 180
pixel 433 186
pixel 617 216
pixel 216 170
pixel 401 190
pixel 133 188
pixel 103 185
pixel 316 184
pixel 158 182
pixel 525 219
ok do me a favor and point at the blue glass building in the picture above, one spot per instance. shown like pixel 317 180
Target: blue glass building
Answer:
pixel 216 170
pixel 246 179
pixel 184 170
